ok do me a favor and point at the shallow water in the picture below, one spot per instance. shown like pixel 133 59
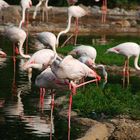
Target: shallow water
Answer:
pixel 21 116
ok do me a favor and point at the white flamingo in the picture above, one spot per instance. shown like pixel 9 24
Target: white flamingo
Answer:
pixel 17 36
pixel 73 11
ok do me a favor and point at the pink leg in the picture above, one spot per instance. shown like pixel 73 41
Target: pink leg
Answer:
pixel 69 115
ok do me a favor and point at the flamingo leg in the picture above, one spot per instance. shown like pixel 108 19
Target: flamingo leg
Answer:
pixel 42 94
pixel 69 115
pixel 76 31
pixel 27 32
pixel 52 107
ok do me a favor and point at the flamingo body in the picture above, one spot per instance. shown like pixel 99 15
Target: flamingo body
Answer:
pixel 47 39
pixel 84 50
pixel 40 59
pixel 71 68
pixel 2 54
pixel 48 80
pixel 76 11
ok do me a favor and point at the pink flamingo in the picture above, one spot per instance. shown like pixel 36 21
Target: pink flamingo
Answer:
pixel 72 69
pixel 17 36
pixel 73 11
pixel 127 49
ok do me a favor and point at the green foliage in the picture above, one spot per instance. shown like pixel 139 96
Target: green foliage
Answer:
pixel 114 100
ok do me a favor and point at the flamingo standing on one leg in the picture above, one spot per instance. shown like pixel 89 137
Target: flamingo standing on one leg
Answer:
pixel 73 11
pixel 72 69
pixel 127 49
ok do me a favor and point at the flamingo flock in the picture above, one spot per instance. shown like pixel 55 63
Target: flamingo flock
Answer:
pixel 57 73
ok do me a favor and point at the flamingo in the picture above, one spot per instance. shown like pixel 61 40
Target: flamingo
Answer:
pixel 41 2
pixel 3 4
pixel 47 39
pixel 127 49
pixel 17 35
pixel 2 54
pixel 40 59
pixel 73 11
pixel 25 4
pixel 72 69
pixel 87 54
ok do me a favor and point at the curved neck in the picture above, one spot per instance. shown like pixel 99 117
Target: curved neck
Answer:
pixel 136 62
pixel 23 17
pixel 21 51
pixel 65 31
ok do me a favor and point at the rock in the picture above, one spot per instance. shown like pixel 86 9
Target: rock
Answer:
pixel 97 132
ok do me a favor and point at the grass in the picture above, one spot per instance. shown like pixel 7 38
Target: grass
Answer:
pixel 113 100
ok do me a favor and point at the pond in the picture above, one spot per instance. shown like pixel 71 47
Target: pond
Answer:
pixel 20 114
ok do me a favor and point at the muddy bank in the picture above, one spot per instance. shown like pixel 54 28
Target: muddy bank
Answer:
pixel 89 24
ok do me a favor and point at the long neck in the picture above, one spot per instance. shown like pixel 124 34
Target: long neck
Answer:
pixel 136 62
pixel 65 31
pixel 23 17
pixel 21 51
